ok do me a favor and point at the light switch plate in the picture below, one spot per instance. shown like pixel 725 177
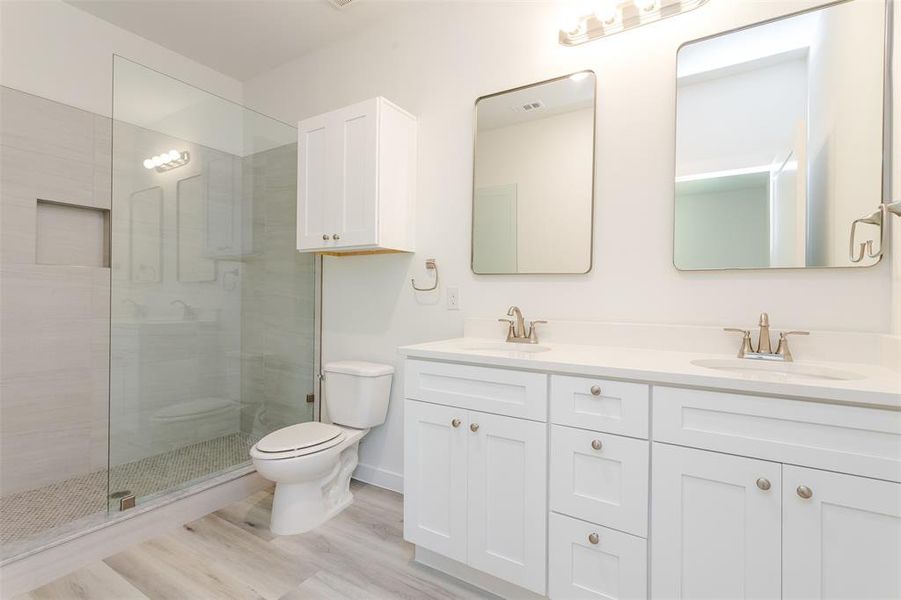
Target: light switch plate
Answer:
pixel 453 298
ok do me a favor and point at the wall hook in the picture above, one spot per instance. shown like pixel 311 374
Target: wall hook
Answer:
pixel 430 265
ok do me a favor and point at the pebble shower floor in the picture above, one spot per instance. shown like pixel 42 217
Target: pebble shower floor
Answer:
pixel 34 513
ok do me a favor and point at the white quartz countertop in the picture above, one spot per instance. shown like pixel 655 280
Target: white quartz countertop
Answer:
pixel 876 385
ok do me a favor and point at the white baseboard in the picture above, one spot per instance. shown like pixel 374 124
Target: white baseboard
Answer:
pixel 380 478
pixel 32 571
pixel 473 577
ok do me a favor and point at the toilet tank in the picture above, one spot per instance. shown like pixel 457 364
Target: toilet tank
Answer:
pixel 357 392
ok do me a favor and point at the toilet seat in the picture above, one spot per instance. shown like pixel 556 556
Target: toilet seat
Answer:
pixel 298 440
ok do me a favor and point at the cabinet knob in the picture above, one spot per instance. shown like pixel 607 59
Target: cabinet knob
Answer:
pixel 474 427
pixel 764 483
pixel 805 492
pixel 593 538
pixel 595 390
pixel 336 236
pixel 455 422
pixel 325 236
pixel 596 444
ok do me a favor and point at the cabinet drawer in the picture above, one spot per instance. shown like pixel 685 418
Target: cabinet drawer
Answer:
pixel 614 567
pixel 849 439
pixel 600 404
pixel 608 485
pixel 500 391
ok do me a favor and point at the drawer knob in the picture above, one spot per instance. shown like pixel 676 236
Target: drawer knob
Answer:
pixel 593 538
pixel 325 236
pixel 455 422
pixel 336 237
pixel 474 427
pixel 763 483
pixel 805 492
pixel 595 390
pixel 596 444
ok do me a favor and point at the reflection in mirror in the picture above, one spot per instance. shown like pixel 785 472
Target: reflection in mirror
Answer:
pixel 779 140
pixel 533 177
pixel 146 235
pixel 193 265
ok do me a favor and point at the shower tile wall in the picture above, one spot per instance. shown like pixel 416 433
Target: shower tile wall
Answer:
pixel 278 306
pixel 54 332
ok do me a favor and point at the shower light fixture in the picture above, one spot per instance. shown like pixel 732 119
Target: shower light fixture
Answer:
pixel 613 16
pixel 167 160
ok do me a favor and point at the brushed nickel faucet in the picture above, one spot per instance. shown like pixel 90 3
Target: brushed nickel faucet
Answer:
pixel 516 332
pixel 764 349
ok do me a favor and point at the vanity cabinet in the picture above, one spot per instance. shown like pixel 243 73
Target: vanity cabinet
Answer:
pixel 475 490
pixel 356 179
pixel 730 494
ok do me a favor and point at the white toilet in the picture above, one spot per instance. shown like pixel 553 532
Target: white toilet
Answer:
pixel 311 463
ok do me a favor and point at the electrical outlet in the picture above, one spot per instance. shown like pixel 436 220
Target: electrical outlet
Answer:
pixel 453 298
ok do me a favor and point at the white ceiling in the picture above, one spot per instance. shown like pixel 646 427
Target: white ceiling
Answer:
pixel 241 38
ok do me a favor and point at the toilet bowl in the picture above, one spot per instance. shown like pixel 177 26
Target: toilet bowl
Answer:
pixel 311 463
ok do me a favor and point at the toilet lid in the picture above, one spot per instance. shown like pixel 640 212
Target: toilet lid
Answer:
pixel 298 437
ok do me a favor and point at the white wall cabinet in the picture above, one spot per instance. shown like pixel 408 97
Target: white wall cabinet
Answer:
pixel 475 490
pixel 716 531
pixel 844 540
pixel 356 179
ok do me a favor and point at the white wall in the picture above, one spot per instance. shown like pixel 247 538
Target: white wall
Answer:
pixel 57 51
pixel 435 62
pixel 896 177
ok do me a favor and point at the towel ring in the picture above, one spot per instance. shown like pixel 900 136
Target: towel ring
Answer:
pixel 430 265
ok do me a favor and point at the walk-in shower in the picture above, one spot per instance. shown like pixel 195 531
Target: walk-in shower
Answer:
pixel 157 319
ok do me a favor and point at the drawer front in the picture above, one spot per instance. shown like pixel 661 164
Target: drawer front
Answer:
pixel 848 439
pixel 600 404
pixel 606 485
pixel 613 567
pixel 499 391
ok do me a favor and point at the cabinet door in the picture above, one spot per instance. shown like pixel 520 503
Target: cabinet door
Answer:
pixel 591 562
pixel 315 224
pixel 715 532
pixel 435 439
pixel 507 498
pixel 844 540
pixel 354 172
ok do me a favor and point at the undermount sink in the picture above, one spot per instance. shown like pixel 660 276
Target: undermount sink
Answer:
pixel 763 369
pixel 505 347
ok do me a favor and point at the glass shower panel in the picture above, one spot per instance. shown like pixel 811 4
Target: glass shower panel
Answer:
pixel 212 308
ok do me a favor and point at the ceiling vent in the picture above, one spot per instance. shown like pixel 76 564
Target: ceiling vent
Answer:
pixel 529 106
pixel 340 3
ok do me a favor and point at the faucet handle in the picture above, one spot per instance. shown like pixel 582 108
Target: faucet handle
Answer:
pixel 746 347
pixel 782 348
pixel 510 324
pixel 533 333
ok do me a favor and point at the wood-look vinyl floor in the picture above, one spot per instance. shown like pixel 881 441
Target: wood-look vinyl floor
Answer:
pixel 230 554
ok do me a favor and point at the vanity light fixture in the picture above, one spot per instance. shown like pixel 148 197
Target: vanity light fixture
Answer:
pixel 613 16
pixel 167 160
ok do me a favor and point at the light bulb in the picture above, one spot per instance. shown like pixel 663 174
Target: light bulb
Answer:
pixel 174 155
pixel 148 163
pixel 572 17
pixel 646 5
pixel 606 12
pixel 158 160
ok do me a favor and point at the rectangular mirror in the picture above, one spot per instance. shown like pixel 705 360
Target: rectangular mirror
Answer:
pixel 779 140
pixel 533 178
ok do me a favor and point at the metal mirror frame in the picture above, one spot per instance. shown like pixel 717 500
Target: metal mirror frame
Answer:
pixel 475 140
pixel 887 98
